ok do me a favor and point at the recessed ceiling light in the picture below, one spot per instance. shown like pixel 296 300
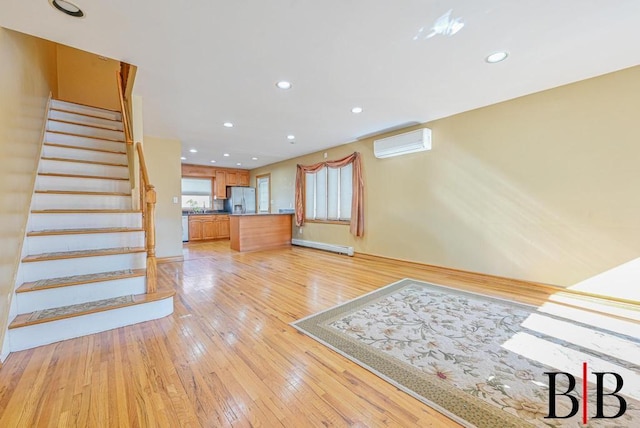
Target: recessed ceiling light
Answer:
pixel 497 57
pixel 283 84
pixel 193 150
pixel 228 125
pixel 356 110
pixel 239 164
pixel 212 161
pixel 226 155
pixel 183 158
pixel 67 8
pixel 254 158
pixel 291 137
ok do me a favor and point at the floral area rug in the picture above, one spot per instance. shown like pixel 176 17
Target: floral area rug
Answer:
pixel 481 360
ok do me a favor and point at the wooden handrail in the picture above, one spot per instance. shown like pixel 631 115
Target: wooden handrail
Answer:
pixel 125 119
pixel 147 196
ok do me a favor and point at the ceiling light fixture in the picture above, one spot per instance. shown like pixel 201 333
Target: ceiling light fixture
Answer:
pixel 239 164
pixel 226 155
pixel 193 150
pixel 254 158
pixel 183 158
pixel 356 110
pixel 228 125
pixel 283 84
pixel 497 57
pixel 67 8
pixel 212 161
pixel 291 137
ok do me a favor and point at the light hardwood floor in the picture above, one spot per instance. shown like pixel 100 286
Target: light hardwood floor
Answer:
pixel 227 356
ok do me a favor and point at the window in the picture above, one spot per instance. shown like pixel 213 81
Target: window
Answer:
pixel 263 187
pixel 328 194
pixel 196 193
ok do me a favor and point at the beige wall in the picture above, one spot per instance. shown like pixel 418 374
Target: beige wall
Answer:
pixel 85 78
pixel 163 161
pixel 542 188
pixel 27 75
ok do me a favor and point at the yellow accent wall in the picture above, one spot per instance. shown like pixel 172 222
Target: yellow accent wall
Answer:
pixel 27 76
pixel 162 156
pixel 87 78
pixel 543 188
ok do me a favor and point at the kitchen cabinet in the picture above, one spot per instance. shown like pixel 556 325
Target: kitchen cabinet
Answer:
pixel 232 178
pixel 220 187
pixel 243 178
pixel 207 227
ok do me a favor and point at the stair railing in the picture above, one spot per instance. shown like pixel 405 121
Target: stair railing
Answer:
pixel 147 194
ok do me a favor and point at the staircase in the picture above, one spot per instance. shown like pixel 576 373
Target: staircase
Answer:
pixel 84 259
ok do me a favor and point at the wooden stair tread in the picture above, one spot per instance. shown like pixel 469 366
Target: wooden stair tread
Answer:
pixel 89 125
pixel 47 232
pixel 66 281
pixel 91 149
pixel 85 211
pixel 87 114
pixel 97 177
pixel 82 192
pixel 54 314
pixel 85 161
pixel 86 136
pixel 82 253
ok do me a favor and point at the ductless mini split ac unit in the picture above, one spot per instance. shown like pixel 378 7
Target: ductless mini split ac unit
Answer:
pixel 402 144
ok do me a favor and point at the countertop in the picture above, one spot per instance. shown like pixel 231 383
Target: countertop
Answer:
pixel 209 213
pixel 258 214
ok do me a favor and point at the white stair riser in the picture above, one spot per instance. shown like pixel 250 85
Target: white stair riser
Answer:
pixel 88 131
pixel 39 221
pixel 92 241
pixel 68 328
pixel 44 201
pixel 94 143
pixel 79 154
pixel 48 182
pixel 79 168
pixel 93 111
pixel 76 294
pixel 87 120
pixel 34 271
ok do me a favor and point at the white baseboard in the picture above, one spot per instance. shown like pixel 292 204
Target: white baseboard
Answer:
pixel 340 249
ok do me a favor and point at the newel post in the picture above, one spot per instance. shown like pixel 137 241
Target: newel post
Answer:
pixel 150 200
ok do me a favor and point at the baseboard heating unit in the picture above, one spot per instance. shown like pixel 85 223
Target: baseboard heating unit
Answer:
pixel 340 249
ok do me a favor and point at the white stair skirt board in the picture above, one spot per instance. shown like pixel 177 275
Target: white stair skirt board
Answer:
pixel 84 119
pixel 43 334
pixel 79 108
pixel 34 271
pixel 81 293
pixel 52 201
pixel 341 249
pixel 50 151
pixel 88 131
pixel 93 241
pixel 40 221
pixel 94 143
pixel 45 182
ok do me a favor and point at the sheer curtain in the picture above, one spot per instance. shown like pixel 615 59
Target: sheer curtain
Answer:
pixel 357 195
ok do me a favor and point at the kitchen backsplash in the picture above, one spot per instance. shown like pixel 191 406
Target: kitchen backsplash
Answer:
pixel 218 204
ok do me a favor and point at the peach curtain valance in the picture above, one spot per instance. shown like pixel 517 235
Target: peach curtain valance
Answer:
pixel 357 197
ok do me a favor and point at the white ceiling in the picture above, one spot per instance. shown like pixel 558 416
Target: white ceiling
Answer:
pixel 205 62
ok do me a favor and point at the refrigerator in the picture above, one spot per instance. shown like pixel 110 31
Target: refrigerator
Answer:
pixel 240 200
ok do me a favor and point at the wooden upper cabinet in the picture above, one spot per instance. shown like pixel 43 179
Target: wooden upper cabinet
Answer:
pixel 243 178
pixel 220 187
pixel 232 178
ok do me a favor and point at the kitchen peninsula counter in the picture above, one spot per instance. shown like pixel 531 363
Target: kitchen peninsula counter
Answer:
pixel 251 232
